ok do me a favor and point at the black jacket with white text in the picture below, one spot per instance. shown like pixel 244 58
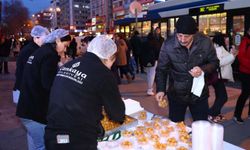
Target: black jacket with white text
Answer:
pixel 38 76
pixel 80 90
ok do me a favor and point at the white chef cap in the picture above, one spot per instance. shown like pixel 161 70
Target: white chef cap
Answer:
pixel 57 34
pixel 38 31
pixel 102 46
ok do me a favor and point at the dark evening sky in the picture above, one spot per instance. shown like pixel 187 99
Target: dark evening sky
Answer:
pixel 36 5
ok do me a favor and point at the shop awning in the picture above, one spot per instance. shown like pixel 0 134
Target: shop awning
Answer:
pixel 127 21
pixel 237 4
pixel 169 8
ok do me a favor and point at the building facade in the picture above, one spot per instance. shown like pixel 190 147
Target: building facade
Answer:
pixel 122 15
pixel 73 14
pixel 231 17
pixel 101 16
pixel 43 18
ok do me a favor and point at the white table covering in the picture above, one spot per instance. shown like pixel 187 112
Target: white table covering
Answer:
pixel 107 145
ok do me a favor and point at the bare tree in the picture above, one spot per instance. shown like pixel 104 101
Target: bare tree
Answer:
pixel 15 17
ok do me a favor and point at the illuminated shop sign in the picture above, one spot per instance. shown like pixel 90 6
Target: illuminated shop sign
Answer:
pixel 207 9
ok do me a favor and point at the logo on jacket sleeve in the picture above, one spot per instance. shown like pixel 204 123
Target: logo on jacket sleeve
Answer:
pixel 30 59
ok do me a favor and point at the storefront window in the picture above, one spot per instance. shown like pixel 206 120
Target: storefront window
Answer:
pixel 211 23
pixel 195 18
pixel 117 29
pixel 122 29
pixel 164 30
pixel 132 25
pixel 146 28
pixel 238 25
pixel 127 30
pixel 155 25
pixel 138 26
pixel 172 27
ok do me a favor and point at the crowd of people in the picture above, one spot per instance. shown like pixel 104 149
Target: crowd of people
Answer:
pixel 63 91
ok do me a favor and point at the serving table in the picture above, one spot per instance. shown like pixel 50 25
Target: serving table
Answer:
pixel 166 135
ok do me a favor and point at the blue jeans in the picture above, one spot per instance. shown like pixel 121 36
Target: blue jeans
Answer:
pixel 35 133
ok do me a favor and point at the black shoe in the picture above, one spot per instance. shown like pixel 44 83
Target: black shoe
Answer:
pixel 238 120
pixel 133 77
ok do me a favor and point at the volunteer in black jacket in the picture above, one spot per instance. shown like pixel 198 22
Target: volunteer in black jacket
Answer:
pixel 38 76
pixel 38 33
pixel 81 89
pixel 185 56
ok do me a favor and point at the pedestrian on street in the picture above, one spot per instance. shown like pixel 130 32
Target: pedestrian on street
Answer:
pixel 224 74
pixel 151 50
pixel 38 76
pixel 5 47
pixel 71 50
pixel 244 68
pixel 122 61
pixel 136 44
pixel 185 58
pixel 84 43
pixel 81 90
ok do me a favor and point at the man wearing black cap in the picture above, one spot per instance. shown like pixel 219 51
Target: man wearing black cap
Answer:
pixel 186 56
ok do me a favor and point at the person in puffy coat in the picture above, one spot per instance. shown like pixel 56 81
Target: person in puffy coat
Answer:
pixel 185 58
pixel 244 64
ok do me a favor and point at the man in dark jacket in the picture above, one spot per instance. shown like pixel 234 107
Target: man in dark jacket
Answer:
pixel 136 45
pixel 82 88
pixel 185 56
pixel 38 76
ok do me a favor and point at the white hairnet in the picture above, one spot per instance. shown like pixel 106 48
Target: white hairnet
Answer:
pixel 56 34
pixel 38 31
pixel 102 46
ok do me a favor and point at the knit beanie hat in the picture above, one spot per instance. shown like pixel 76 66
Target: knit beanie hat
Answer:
pixel 186 25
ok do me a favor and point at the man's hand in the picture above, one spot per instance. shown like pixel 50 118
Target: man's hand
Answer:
pixel 159 96
pixel 196 71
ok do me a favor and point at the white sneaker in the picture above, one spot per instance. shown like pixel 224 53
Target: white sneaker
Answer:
pixel 150 93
